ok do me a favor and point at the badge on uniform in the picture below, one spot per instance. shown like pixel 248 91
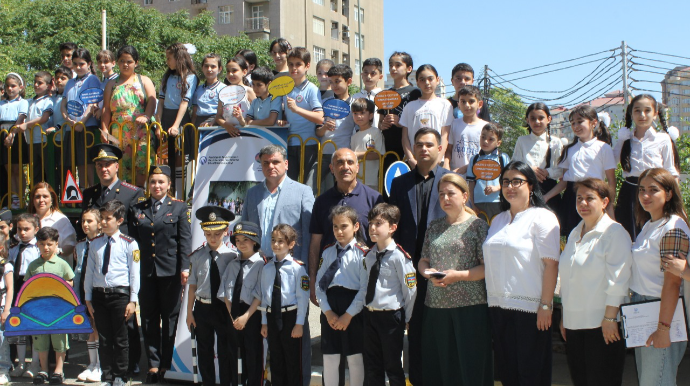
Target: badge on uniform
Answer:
pixel 141 199
pixel 137 254
pixel 320 262
pixel 168 214
pixel 189 216
pixel 411 280
pixel 141 215
pixel 305 283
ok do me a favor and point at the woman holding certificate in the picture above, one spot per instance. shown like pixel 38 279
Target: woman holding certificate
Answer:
pixel 595 269
pixel 665 232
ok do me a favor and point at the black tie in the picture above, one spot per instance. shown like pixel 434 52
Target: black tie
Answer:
pixel 276 297
pixel 237 291
pixel 373 278
pixel 19 280
pixel 106 256
pixel 156 207
pixel 84 260
pixel 104 193
pixel 328 276
pixel 215 280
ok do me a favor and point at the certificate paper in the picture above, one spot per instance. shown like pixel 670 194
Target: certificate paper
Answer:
pixel 640 320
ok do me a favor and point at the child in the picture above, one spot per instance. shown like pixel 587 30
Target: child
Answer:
pixel 427 111
pixel 389 299
pixel 589 155
pixel 485 194
pixel 227 115
pixel 91 224
pixel 38 121
pixel 13 111
pixel 367 137
pixel 66 51
pixel 111 290
pixel 279 50
pixel 540 150
pixel 7 290
pixel 463 139
pixel 205 311
pixel 50 262
pixel 372 74
pixel 322 68
pixel 462 75
pixel 250 57
pixel 340 292
pixel 241 291
pixel 6 226
pixel 284 304
pixel 641 148
pixel 205 100
pixel 264 110
pixel 303 111
pixel 106 62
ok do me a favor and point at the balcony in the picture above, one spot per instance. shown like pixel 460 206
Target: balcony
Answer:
pixel 197 2
pixel 257 27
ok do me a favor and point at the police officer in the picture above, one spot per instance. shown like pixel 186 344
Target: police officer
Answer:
pixel 205 312
pixel 161 226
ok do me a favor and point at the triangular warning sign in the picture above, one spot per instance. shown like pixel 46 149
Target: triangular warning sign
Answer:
pixel 71 193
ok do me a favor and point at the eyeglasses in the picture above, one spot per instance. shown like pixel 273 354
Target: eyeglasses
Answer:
pixel 514 183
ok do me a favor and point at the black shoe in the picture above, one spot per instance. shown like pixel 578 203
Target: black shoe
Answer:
pixel 161 376
pixel 151 378
pixel 134 369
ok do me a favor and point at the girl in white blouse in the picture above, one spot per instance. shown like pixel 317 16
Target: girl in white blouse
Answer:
pixel 595 270
pixel 521 254
pixel 665 232
pixel 641 148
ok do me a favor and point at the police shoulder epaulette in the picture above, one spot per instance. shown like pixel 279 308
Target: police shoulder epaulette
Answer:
pixel 404 252
pixel 298 261
pixel 130 186
pixel 327 246
pixel 126 238
pixel 176 200
pixel 368 252
pixel 362 247
pixel 194 251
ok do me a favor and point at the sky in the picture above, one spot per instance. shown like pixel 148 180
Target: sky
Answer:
pixel 511 35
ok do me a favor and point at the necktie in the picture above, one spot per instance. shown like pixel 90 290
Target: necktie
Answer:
pixel 104 193
pixel 237 291
pixel 373 278
pixel 276 297
pixel 328 276
pixel 18 280
pixel 106 256
pixel 156 207
pixel 84 260
pixel 215 279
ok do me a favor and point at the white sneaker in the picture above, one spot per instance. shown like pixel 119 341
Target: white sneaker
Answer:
pixel 119 382
pixel 95 375
pixel 32 370
pixel 18 370
pixel 85 374
pixel 4 379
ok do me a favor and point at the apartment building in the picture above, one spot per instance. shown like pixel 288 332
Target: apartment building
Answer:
pixel 613 102
pixel 675 89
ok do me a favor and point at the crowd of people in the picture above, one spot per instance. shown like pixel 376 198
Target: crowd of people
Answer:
pixel 464 255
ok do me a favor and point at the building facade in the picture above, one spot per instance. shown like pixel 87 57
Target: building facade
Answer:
pixel 675 89
pixel 612 102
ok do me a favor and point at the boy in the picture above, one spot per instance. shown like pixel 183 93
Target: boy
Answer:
pixel 62 75
pixel 367 137
pixel 462 75
pixel 205 312
pixel 372 73
pixel 50 262
pixel 322 68
pixel 463 139
pixel 303 112
pixel 390 295
pixel 264 110
pixel 6 224
pixel 484 193
pixel 39 119
pixel 340 130
pixel 66 51
pixel 111 289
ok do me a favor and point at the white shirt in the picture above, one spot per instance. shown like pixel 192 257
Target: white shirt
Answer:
pixel 531 149
pixel 433 113
pixel 513 254
pixel 654 150
pixel 595 272
pixel 363 140
pixel 369 95
pixel 463 140
pixel 57 220
pixel 9 270
pixel 590 159
pixel 647 278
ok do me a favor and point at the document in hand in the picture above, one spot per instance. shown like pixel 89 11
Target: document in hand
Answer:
pixel 640 320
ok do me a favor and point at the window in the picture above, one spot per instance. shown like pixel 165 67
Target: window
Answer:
pixel 686 109
pixel 319 26
pixel 148 2
pixel 319 54
pixel 685 92
pixel 334 5
pixel 319 2
pixel 334 30
pixel 225 14
pixel 359 15
pixel 358 66
pixel 359 40
pixel 334 56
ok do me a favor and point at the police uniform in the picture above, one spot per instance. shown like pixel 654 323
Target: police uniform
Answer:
pixel 111 283
pixel 210 314
pixel 81 255
pixel 241 287
pixel 286 354
pixel 388 305
pixel 162 229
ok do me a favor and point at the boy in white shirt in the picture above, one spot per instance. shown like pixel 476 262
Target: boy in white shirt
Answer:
pixel 367 137
pixel 372 74
pixel 463 139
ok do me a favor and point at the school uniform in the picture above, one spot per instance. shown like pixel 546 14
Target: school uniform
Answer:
pixel 532 150
pixel 206 101
pixel 388 303
pixel 81 254
pixel 262 108
pixel 34 137
pixel 21 255
pixel 72 93
pixel 172 98
pixel 111 283
pixel 10 112
pixel 341 136
pixel 284 303
pixel 108 79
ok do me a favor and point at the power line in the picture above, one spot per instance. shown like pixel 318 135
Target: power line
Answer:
pixel 552 64
pixel 661 61
pixel 659 73
pixel 655 82
pixel 664 93
pixel 658 53
pixel 550 71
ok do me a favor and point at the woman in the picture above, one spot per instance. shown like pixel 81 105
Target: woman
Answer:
pixel 595 269
pixel 457 344
pixel 521 254
pixel 44 204
pixel 681 268
pixel 161 227
pixel 660 209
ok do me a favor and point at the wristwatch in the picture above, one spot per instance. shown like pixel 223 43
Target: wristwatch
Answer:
pixel 545 307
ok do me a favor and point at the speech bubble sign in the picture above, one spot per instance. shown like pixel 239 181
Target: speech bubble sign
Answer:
pixel 336 109
pixel 281 86
pixel 388 99
pixel 75 108
pixel 91 95
pixel 486 170
pixel 232 95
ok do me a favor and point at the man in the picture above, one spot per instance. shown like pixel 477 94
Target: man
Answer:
pixel 416 194
pixel 281 200
pixel 106 158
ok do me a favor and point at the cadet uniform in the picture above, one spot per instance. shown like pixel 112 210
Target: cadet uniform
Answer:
pixel 210 314
pixel 390 296
pixel 241 287
pixel 162 229
pixel 288 278
pixel 111 283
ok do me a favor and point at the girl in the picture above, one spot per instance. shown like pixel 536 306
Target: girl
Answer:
pixel 589 155
pixel 39 120
pixel 177 89
pixel 250 57
pixel 91 224
pixel 428 111
pixel 205 101
pixel 227 115
pixel 665 232
pixel 278 50
pixel 13 111
pixel 7 287
pixel 106 63
pixel 640 149
pixel 284 303
pixel 541 151
pixel 340 292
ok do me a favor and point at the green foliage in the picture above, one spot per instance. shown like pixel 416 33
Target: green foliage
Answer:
pixel 508 110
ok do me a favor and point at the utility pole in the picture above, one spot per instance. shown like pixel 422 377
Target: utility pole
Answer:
pixel 624 56
pixel 361 41
pixel 103 30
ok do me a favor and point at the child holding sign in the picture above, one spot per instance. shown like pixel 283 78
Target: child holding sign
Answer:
pixel 367 137
pixel 230 110
pixel 206 96
pixel 265 110
pixel 484 170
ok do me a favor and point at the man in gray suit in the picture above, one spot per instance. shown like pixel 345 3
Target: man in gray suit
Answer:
pixel 281 200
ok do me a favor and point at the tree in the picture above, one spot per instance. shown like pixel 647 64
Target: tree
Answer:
pixel 508 110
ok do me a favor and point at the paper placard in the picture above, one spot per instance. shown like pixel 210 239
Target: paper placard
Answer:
pixel 640 320
pixel 232 95
pixel 281 86
pixel 486 170
pixel 91 95
pixel 388 99
pixel 336 109
pixel 75 108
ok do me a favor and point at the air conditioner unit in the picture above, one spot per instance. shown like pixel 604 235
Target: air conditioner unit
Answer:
pixel 346 34
pixel 334 53
pixel 346 28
